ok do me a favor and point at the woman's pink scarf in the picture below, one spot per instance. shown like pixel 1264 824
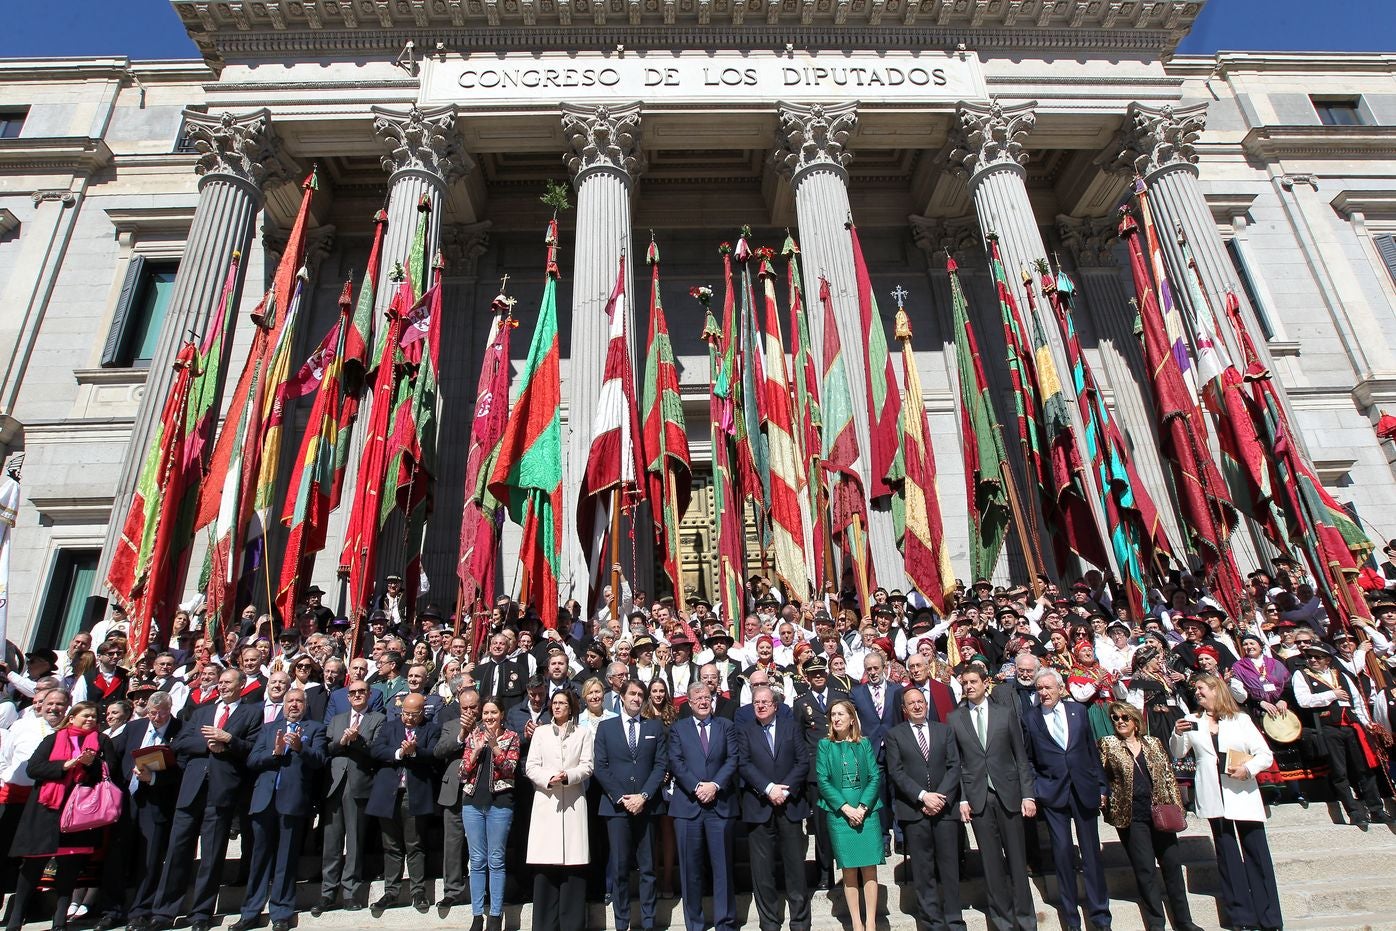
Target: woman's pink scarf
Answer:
pixel 68 743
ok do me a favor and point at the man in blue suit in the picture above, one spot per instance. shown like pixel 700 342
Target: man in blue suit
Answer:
pixel 402 797
pixel 879 705
pixel 632 755
pixel 703 759
pixel 212 750
pixel 288 756
pixel 1070 787
pixel 773 759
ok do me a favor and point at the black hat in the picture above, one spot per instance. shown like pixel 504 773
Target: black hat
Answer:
pixel 596 647
pixel 983 583
pixel 883 609
pixel 1341 635
pixel 431 611
pixel 43 653
pixel 921 623
pixel 315 590
pixel 393 578
pixel 766 599
pixel 695 601
pixel 141 688
pixel 896 594
pixel 718 636
pixel 1191 621
pixel 816 666
pixel 1283 560
pixel 555 647
pixel 1317 648
pixel 1007 610
pixel 288 635
pixel 378 616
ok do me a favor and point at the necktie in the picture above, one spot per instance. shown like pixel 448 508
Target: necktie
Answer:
pixel 355 719
pixel 981 725
pixel 877 699
pixel 703 735
pixel 634 735
pixel 1058 727
pixel 771 737
pixel 925 744
pixel 152 737
pixel 223 717
pixel 820 698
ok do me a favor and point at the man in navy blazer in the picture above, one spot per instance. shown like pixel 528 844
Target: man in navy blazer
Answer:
pixel 403 795
pixel 773 760
pixel 879 705
pixel 146 830
pixel 703 759
pixel 1070 787
pixel 212 750
pixel 289 754
pixel 632 755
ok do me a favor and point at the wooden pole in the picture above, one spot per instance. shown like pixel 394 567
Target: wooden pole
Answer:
pixel 1031 553
pixel 860 564
pixel 615 553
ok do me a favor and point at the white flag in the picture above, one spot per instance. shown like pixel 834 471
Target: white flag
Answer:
pixel 9 509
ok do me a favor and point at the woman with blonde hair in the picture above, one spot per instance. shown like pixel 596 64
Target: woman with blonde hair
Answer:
pixel 850 792
pixel 1139 773
pixel 1230 751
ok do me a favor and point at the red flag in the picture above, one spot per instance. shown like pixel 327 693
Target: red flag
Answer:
pixel 884 404
pixel 668 470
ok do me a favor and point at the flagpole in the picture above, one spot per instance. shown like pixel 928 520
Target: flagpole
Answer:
pixel 1031 553
pixel 615 553
pixel 860 563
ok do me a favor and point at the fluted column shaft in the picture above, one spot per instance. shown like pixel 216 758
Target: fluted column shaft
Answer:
pixel 604 159
pixel 239 156
pixel 813 154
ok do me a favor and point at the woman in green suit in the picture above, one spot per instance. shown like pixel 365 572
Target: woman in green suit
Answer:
pixel 850 792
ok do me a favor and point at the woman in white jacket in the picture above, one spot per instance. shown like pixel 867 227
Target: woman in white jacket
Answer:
pixel 559 764
pixel 1229 752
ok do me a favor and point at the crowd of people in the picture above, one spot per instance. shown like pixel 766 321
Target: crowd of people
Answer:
pixel 658 742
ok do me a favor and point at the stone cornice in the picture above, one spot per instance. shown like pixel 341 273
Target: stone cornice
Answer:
pixel 1368 203
pixel 1272 142
pixel 52 70
pixel 244 30
pixel 8 222
pixel 79 154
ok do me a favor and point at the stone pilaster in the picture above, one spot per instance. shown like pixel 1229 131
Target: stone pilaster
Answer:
pixel 239 158
pixel 604 158
pixel 812 152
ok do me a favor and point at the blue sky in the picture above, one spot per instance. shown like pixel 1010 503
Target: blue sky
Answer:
pixel 150 28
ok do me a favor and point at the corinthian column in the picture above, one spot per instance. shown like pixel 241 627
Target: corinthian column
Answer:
pixel 239 159
pixel 812 152
pixel 604 159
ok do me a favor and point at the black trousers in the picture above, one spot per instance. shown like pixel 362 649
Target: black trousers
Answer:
pixel 1347 765
pixel 144 849
pixel 559 898
pixel 1247 874
pixel 208 825
pixel 933 850
pixel 779 836
pixel 1157 860
pixel 402 843
pixel 999 833
pixel 823 849
pixel 31 870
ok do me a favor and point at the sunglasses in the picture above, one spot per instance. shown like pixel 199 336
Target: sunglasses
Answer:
pixel 1120 717
pixel 358 691
pixel 304 666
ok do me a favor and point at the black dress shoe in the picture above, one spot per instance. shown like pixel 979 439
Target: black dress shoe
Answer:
pixel 320 907
pixel 199 925
pixel 420 902
pixel 386 902
pixel 281 926
pixel 353 906
pixel 1362 823
pixel 243 924
pixel 448 901
pixel 107 922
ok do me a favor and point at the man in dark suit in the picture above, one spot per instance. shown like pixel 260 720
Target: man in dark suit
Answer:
pixel 995 795
pixel 501 677
pixel 350 741
pixel 212 750
pixel 923 765
pixel 1070 788
pixel 773 759
pixel 812 714
pixel 631 758
pixel 402 797
pixel 288 756
pixel 146 831
pixel 449 746
pixel 703 759
pixel 940 701
pixel 339 698
pixel 879 705
pixel 723 707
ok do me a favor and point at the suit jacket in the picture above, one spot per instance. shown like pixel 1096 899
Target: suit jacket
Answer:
pixel 448 749
pixel 621 772
pixel 1061 773
pixel 351 765
pixel 876 726
pixel 940 698
pixel 690 766
pixel 163 787
pixel 814 720
pixel 287 781
pixel 788 766
pixel 723 707
pixel 911 773
pixel 420 769
pixel 511 676
pixel 339 702
pixel 223 773
pixel 316 702
pixel 1003 758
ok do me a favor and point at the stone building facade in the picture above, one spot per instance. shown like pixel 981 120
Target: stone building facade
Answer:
pixel 125 186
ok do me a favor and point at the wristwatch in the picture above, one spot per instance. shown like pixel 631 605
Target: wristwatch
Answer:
pixel 645 796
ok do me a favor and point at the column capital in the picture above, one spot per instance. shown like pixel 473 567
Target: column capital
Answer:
pixel 814 136
pixel 422 141
pixel 603 139
pixel 244 148
pixel 1156 138
pixel 959 238
pixel 1090 240
pixel 984 137
pixel 463 244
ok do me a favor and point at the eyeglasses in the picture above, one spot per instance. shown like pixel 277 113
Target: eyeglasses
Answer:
pixel 358 691
pixel 1121 717
pixel 1302 643
pixel 304 666
pixel 111 652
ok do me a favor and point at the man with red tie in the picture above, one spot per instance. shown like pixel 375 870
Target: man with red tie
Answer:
pixel 212 750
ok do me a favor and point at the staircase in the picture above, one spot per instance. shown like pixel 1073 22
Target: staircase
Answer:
pixel 1331 877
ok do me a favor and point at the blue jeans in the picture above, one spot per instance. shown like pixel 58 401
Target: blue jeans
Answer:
pixel 486 831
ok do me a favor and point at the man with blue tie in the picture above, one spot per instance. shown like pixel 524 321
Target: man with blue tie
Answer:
pixel 632 756
pixel 289 753
pixel 1070 788
pixel 152 808
pixel 773 759
pixel 402 797
pixel 703 759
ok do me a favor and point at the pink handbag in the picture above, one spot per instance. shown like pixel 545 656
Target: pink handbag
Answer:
pixel 91 807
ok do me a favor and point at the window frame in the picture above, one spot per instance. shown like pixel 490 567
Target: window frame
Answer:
pixel 13 117
pixel 1323 104
pixel 117 352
